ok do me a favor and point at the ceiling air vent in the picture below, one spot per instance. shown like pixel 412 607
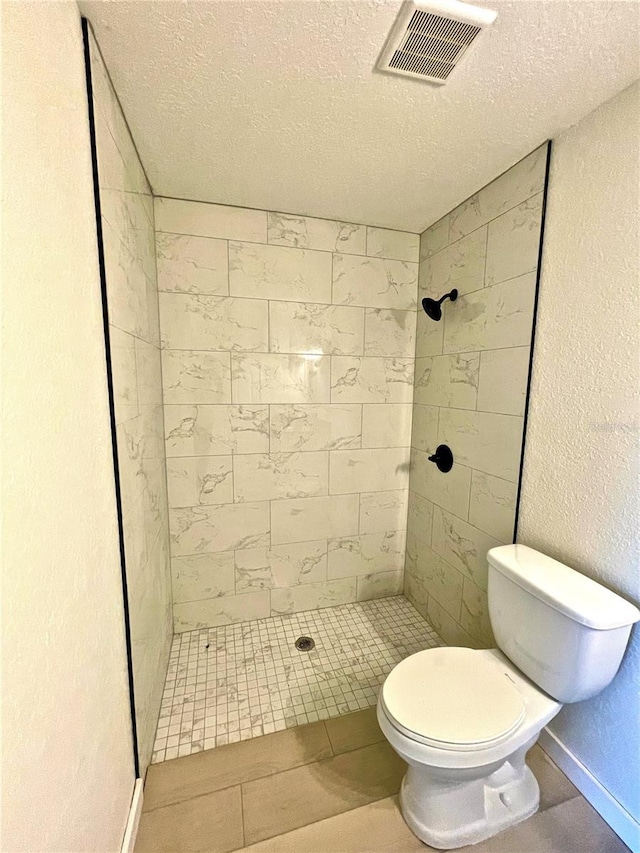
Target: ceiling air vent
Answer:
pixel 429 40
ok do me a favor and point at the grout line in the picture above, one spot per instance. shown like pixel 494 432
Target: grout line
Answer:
pixel 242 819
pixel 326 731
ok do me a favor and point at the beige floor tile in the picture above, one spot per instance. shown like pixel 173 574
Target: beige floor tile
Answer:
pixel 208 824
pixel 214 769
pixel 354 730
pixel 375 828
pixel 286 801
pixel 555 788
pixel 571 827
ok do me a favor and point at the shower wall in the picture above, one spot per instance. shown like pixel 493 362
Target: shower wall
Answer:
pixel 470 388
pixel 288 361
pixel 132 298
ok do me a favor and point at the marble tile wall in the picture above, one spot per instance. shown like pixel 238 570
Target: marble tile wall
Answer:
pixel 470 387
pixel 288 347
pixel 132 298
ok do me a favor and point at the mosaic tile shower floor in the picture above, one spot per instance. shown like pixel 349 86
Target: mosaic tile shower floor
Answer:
pixel 240 681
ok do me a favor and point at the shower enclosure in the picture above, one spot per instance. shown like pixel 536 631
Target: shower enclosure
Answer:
pixel 277 394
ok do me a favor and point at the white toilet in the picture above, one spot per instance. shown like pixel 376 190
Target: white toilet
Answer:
pixel 463 720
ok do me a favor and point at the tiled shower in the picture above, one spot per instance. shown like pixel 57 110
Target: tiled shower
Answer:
pixel 288 418
pixel 278 391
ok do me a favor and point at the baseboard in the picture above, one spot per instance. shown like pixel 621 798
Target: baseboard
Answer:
pixel 615 814
pixel 129 840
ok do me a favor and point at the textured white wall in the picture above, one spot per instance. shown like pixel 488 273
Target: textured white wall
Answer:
pixel 67 762
pixel 580 486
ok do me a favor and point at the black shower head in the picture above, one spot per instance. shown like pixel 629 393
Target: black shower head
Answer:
pixel 433 308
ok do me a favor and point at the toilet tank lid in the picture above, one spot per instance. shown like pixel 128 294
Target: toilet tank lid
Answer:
pixel 562 588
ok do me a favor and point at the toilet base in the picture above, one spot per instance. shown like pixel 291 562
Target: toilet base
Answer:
pixel 446 815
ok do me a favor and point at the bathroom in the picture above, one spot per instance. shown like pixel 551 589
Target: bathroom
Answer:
pixel 298 347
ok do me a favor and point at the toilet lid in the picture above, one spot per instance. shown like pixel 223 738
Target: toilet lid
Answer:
pixel 453 696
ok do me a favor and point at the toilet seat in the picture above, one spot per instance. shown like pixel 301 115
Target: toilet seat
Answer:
pixel 453 698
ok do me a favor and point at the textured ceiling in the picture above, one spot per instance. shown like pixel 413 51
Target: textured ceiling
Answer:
pixel 272 104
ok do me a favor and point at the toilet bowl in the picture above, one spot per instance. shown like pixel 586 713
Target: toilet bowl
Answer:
pixel 464 719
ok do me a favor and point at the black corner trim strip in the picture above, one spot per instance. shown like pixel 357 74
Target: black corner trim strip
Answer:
pixel 112 411
pixel 545 193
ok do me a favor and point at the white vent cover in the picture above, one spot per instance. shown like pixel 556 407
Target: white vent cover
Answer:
pixel 430 39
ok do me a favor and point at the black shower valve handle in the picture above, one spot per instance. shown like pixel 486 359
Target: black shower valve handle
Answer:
pixel 443 458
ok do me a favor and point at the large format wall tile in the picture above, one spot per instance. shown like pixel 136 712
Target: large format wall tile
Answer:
pixel 203 576
pixel 128 286
pixel 519 183
pixel 419 518
pixel 448 380
pixel 379 585
pixel 386 425
pixel 492 505
pixel 196 377
pixel 447 628
pixel 210 220
pixel 429 334
pixel 124 376
pixel 280 378
pixel 199 529
pixel 474 613
pixel 148 375
pixel 444 583
pixel 281 566
pixel 366 554
pixel 132 299
pixel 275 272
pixel 289 347
pixel 502 385
pixel 383 511
pixel 376 470
pixel 221 611
pixel 389 332
pixel 313 596
pixel 216 430
pixel 307 519
pixel 213 323
pixel 462 546
pixel 514 241
pixel 371 380
pixel 275 476
pixel 484 441
pixel 189 264
pixel 305 232
pixel 303 327
pixel 434 238
pixel 323 427
pixel 470 393
pixel 493 318
pixel 383 243
pixel 374 282
pixel 199 480
pixel 424 428
pixel 460 265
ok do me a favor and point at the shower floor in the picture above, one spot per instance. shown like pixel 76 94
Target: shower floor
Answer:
pixel 240 681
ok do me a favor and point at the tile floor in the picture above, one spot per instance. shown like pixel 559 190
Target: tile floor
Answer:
pixel 236 682
pixel 331 787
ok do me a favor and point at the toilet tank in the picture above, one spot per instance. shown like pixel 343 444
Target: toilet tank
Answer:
pixel 563 630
